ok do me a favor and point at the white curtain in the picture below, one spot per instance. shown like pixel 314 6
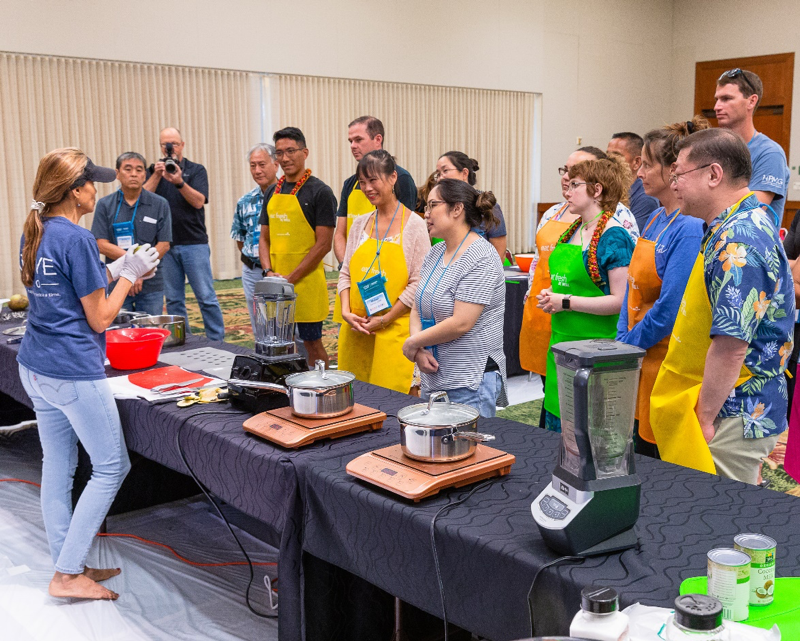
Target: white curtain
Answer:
pixel 422 122
pixel 106 108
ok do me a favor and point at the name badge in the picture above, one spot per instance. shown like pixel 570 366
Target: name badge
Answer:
pixel 427 323
pixel 147 219
pixel 373 293
pixel 123 235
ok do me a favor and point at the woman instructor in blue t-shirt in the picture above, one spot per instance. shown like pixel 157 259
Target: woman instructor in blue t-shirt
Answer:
pixel 61 361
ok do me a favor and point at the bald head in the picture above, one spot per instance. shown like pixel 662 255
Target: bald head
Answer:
pixel 171 135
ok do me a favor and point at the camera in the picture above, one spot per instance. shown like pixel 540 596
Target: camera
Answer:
pixel 170 164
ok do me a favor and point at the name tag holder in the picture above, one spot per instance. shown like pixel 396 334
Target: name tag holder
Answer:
pixel 373 288
pixel 124 233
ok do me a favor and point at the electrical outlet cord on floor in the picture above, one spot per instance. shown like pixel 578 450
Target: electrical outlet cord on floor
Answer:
pixel 536 576
pixel 217 508
pixel 441 511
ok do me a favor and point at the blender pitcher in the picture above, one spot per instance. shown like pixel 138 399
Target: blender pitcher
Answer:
pixel 274 301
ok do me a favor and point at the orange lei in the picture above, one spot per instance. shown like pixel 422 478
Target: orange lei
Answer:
pixel 299 184
pixel 594 270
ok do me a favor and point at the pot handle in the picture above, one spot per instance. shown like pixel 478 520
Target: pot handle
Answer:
pixel 319 365
pixel 259 385
pixel 435 397
pixel 475 437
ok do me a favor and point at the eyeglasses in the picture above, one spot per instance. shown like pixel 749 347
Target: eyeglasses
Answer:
pixel 673 178
pixel 562 171
pixel 574 185
pixel 431 204
pixel 442 173
pixel 735 73
pixel 287 152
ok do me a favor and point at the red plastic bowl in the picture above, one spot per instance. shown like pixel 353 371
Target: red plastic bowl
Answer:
pixel 524 261
pixel 135 347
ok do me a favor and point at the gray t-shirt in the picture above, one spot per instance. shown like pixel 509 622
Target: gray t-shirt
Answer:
pixel 153 224
pixel 475 277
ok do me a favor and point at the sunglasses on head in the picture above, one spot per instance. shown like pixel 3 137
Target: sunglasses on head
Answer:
pixel 735 73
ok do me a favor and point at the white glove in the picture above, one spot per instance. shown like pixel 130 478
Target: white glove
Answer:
pixel 138 263
pixel 115 267
pixel 150 274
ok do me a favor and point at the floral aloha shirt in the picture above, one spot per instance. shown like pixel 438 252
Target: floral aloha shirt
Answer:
pixel 751 292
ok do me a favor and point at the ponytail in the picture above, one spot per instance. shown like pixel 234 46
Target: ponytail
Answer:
pixel 57 171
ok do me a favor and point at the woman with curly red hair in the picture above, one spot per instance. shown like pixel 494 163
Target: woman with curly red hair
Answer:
pixel 588 266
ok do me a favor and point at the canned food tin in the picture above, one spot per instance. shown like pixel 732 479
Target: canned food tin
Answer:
pixel 761 550
pixel 729 581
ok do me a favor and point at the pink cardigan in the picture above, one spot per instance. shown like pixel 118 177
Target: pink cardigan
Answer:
pixel 416 245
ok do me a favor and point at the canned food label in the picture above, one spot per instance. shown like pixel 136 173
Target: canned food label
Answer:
pixel 762 574
pixel 731 586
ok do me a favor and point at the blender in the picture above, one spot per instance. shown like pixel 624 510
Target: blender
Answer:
pixel 275 356
pixel 592 503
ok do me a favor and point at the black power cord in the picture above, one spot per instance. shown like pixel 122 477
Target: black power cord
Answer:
pixel 443 509
pixel 536 576
pixel 216 507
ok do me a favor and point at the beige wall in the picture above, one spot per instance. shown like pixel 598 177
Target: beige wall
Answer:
pixel 740 28
pixel 585 56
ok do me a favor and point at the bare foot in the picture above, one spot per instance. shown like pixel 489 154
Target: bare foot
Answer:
pixel 79 586
pixel 101 574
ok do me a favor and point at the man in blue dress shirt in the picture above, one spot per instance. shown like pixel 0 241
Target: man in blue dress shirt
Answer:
pixel 629 145
pixel 737 97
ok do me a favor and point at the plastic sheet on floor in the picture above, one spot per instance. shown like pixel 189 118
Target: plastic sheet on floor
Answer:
pixel 160 596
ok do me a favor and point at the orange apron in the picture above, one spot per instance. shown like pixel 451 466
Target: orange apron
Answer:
pixel 677 388
pixel 534 338
pixel 644 289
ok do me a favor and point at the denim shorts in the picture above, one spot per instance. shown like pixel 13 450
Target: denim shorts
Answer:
pixel 310 331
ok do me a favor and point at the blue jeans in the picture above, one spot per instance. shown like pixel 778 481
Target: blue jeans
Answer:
pixel 483 399
pixel 249 279
pixel 192 262
pixel 69 411
pixel 151 303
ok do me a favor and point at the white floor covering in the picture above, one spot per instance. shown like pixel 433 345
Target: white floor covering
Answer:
pixel 522 390
pixel 160 596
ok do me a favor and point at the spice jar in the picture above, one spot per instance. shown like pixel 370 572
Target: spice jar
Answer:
pixel 697 617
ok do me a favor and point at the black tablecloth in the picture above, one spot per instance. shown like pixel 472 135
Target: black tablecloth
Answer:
pixel 512 323
pixel 489 548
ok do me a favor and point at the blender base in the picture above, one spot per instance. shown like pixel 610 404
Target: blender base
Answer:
pixel 622 541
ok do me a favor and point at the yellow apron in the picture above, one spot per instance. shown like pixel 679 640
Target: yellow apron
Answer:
pixel 357 205
pixel 677 388
pixel 290 240
pixel 378 358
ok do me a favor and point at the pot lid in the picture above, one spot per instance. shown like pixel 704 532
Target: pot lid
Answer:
pixel 436 414
pixel 320 377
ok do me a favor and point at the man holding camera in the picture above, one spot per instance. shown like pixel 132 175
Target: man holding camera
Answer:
pixel 133 216
pixel 185 186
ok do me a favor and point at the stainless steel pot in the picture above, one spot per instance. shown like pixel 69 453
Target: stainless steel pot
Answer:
pixel 319 393
pixel 175 324
pixel 125 317
pixel 439 432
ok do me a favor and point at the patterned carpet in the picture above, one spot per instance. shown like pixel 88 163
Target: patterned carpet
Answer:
pixel 237 330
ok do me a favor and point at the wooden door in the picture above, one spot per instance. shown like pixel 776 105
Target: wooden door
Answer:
pixel 773 116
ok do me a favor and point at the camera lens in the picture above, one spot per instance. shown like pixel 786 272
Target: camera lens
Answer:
pixel 170 166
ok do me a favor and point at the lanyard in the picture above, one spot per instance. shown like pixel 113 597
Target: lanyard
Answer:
pixel 119 205
pixel 381 241
pixel 433 291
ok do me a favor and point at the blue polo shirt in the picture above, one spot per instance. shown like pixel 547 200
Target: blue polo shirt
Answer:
pixel 188 223
pixel 153 224
pixel 770 171
pixel 676 251
pixel 58 341
pixel 641 205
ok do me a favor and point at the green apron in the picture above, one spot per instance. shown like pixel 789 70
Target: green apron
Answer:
pixel 568 275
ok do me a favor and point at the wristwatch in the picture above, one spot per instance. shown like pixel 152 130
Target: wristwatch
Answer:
pixel 182 185
pixel 565 301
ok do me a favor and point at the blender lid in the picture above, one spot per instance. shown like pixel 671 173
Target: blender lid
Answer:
pixel 274 286
pixel 586 353
pixel 436 414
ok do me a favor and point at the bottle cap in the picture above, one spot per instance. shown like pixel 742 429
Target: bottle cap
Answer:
pixel 698 612
pixel 599 600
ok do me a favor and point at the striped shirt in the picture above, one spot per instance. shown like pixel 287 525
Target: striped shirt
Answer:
pixel 475 277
